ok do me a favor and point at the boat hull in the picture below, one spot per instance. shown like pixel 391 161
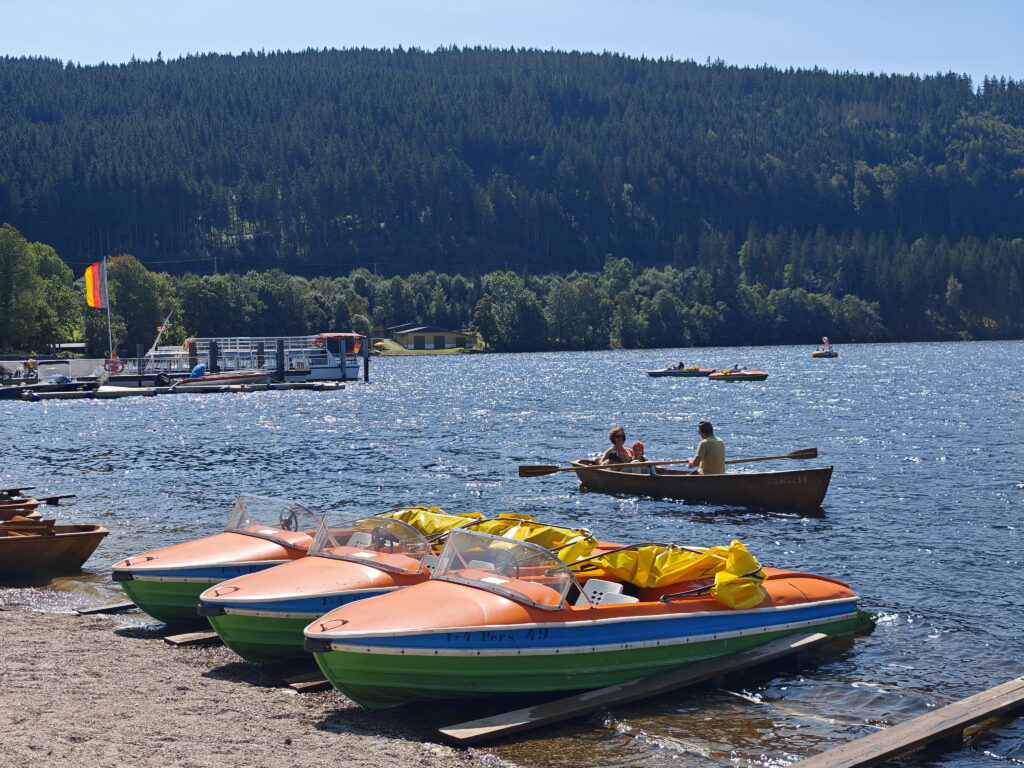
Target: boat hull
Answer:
pixel 225 379
pixel 742 376
pixel 166 583
pixel 503 651
pixel 66 550
pixel 261 616
pixel 700 372
pixel 819 353
pixel 800 490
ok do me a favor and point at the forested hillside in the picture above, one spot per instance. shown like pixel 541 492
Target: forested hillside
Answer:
pixel 903 194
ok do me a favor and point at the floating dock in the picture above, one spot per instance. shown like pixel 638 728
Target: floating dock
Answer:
pixel 109 393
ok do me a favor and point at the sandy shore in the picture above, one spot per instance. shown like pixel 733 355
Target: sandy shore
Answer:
pixel 101 691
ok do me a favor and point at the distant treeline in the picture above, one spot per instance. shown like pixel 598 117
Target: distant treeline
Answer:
pixel 408 162
pixel 775 288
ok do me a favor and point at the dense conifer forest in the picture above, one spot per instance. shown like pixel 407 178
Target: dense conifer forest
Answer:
pixel 553 200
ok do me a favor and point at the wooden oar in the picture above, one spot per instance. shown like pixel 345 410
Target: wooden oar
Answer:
pixel 19 489
pixel 537 470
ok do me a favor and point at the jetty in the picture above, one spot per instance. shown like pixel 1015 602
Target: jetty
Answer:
pixel 110 393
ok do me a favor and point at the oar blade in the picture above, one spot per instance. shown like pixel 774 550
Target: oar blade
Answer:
pixel 806 453
pixel 537 470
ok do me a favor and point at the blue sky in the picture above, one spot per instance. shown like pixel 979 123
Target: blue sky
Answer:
pixel 911 36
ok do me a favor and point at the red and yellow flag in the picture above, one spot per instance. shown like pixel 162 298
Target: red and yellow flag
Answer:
pixel 96 285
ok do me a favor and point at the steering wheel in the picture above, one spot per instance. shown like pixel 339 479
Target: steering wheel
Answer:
pixel 381 537
pixel 506 564
pixel 290 521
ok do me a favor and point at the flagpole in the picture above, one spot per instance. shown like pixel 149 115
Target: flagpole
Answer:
pixel 110 334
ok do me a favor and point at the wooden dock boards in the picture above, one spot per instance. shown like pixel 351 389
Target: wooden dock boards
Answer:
pixel 308 682
pixel 947 723
pixel 507 723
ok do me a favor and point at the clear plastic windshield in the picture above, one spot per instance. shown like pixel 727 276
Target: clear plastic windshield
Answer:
pixel 284 521
pixel 380 542
pixel 524 572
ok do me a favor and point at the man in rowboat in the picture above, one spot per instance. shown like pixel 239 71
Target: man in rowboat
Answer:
pixel 710 458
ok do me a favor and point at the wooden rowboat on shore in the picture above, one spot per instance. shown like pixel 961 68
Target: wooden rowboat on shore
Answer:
pixel 798 490
pixel 32 547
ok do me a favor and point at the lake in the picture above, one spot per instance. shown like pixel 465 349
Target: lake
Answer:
pixel 923 517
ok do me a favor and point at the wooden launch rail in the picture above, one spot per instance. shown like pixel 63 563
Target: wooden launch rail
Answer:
pixel 946 724
pixel 493 727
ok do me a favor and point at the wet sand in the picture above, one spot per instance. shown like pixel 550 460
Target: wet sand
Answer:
pixel 104 691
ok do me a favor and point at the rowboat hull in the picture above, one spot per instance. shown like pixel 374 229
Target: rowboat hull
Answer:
pixel 800 490
pixel 63 551
pixel 823 353
pixel 451 640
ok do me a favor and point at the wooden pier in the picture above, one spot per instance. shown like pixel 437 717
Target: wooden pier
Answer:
pixel 549 712
pixel 944 727
pixel 109 393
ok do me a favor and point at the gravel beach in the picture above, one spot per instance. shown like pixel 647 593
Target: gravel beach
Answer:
pixel 101 691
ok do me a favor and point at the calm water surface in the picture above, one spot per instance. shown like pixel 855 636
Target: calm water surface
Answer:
pixel 923 517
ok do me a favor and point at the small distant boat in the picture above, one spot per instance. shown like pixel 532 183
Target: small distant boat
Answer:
pixel 798 490
pixel 693 370
pixel 33 547
pixel 500 617
pixel 825 350
pixel 166 582
pixel 225 378
pixel 744 374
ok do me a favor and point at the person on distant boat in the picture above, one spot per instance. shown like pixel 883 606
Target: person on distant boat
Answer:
pixel 736 368
pixel 710 457
pixel 618 453
pixel 199 371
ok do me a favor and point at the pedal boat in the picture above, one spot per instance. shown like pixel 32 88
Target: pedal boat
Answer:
pixel 692 371
pixel 261 616
pixel 500 617
pixel 747 374
pixel 260 533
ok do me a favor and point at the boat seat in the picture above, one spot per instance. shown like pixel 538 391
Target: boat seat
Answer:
pixel 615 597
pixel 598 591
pixel 360 539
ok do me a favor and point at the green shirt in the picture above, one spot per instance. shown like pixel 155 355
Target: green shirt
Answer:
pixel 712 456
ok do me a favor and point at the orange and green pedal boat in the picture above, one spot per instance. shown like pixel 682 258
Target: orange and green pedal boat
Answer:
pixel 261 616
pixel 500 617
pixel 260 533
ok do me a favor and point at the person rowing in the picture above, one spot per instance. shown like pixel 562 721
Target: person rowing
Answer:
pixel 710 456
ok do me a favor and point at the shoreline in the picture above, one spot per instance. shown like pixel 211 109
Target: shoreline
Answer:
pixel 108 691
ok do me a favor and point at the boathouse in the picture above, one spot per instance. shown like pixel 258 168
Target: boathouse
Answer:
pixel 413 336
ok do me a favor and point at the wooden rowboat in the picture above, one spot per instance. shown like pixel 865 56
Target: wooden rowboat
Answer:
pixel 32 547
pixel 798 490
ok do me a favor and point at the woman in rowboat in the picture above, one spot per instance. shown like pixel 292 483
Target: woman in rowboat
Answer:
pixel 618 453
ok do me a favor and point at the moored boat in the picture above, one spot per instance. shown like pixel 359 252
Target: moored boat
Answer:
pixel 523 622
pixel 743 374
pixel 799 490
pixel 692 371
pixel 61 384
pixel 260 533
pixel 30 547
pixel 261 616
pixel 226 378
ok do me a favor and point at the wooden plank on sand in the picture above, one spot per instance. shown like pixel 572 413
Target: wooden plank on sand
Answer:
pixel 193 638
pixel 108 608
pixel 310 682
pixel 947 724
pixel 555 711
